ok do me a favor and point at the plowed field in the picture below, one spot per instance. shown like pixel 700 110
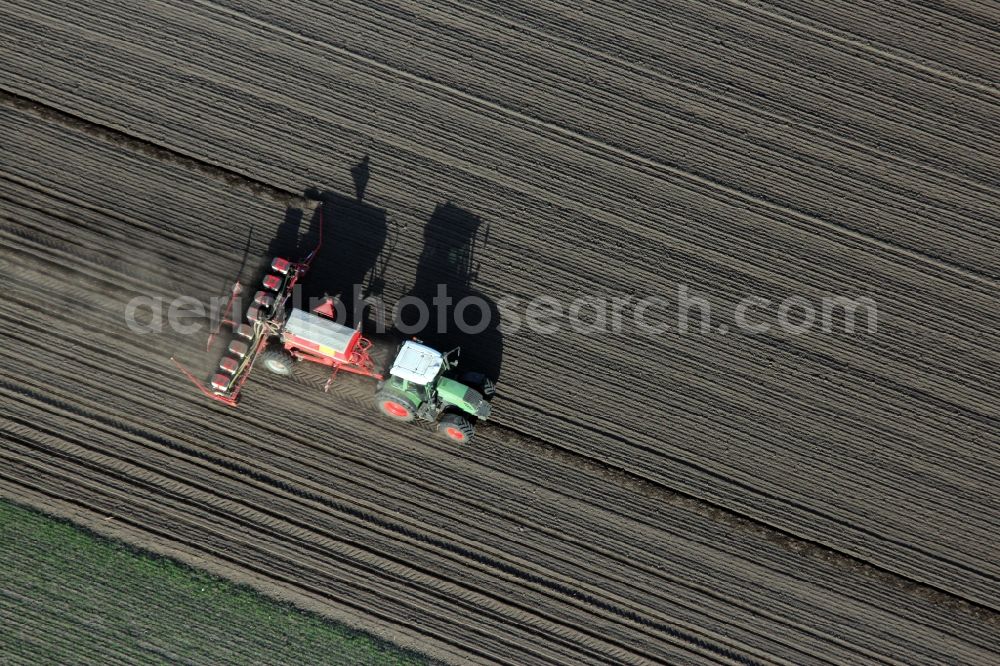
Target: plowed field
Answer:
pixel 702 496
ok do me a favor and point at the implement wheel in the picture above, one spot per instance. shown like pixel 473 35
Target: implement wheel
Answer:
pixel 278 361
pixel 394 406
pixel 455 428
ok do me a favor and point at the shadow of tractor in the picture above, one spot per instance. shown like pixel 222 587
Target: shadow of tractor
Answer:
pixel 457 315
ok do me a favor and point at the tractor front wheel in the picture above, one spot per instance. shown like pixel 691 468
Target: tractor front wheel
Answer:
pixel 455 427
pixel 278 361
pixel 395 407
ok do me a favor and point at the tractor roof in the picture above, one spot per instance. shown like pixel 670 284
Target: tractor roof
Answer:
pixel 417 363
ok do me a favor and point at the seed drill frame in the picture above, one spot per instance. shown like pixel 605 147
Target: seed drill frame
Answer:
pixel 267 318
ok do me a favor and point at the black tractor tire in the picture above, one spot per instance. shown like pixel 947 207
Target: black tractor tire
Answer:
pixel 456 428
pixel 395 407
pixel 278 361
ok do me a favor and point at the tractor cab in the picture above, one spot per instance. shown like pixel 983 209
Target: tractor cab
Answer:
pixel 415 372
pixel 417 363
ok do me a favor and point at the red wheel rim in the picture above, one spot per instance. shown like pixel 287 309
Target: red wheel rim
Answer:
pixel 454 433
pixel 395 409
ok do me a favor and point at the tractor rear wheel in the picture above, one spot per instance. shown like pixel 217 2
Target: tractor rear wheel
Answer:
pixel 278 361
pixel 456 428
pixel 396 407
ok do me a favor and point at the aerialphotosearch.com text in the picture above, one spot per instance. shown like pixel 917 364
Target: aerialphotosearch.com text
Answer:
pixel 686 311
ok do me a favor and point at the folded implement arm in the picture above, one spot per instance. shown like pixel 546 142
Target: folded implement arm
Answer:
pixel 265 318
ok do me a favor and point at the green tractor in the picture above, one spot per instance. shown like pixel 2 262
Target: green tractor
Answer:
pixel 421 385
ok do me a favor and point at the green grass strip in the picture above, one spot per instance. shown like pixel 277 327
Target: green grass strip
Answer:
pixel 68 596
